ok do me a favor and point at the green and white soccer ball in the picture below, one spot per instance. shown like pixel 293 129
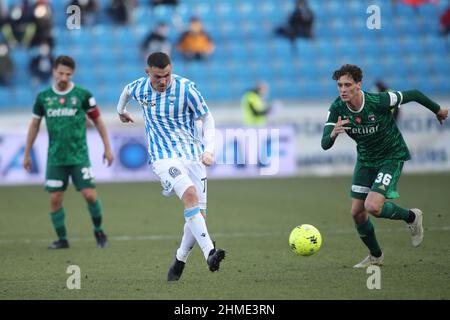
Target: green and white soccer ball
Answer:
pixel 305 240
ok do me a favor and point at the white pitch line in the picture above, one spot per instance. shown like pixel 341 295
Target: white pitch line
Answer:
pixel 324 231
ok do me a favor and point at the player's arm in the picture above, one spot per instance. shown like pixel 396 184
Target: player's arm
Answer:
pixel 209 133
pixel 33 131
pixel 333 127
pixel 198 105
pixel 124 116
pixel 396 98
pixel 101 128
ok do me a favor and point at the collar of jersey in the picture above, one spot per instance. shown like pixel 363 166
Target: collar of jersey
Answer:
pixel 72 85
pixel 362 106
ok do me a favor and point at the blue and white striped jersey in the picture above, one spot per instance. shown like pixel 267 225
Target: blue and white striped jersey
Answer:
pixel 169 117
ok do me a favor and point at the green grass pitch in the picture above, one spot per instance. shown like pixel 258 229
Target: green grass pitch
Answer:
pixel 251 219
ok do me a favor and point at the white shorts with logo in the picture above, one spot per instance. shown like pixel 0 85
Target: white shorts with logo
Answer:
pixel 176 175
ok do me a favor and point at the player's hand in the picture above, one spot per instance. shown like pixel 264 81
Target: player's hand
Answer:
pixel 27 163
pixel 207 158
pixel 442 115
pixel 108 157
pixel 125 117
pixel 339 127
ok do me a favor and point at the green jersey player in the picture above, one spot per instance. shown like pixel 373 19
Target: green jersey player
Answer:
pixel 65 106
pixel 381 152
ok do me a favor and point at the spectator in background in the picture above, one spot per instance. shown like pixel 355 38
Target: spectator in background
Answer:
pixel 18 29
pixel 88 10
pixel 157 41
pixel 41 65
pixel 155 3
pixel 121 11
pixel 6 65
pixel 300 23
pixel 42 19
pixel 254 106
pixel 444 20
pixel 195 44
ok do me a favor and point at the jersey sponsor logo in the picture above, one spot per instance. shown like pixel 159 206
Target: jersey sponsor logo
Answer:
pixel 54 183
pixel 64 112
pixel 174 172
pixel 365 130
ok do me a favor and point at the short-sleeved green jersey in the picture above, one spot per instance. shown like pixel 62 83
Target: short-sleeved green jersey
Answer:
pixel 373 127
pixel 65 115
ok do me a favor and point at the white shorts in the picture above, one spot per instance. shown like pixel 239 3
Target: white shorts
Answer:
pixel 176 175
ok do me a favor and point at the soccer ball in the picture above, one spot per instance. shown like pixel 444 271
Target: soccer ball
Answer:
pixel 305 240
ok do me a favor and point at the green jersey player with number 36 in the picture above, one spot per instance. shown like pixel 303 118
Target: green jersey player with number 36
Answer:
pixel 367 119
pixel 65 106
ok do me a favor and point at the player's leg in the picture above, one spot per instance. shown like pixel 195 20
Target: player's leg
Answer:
pixel 384 187
pixel 56 183
pixel 362 179
pixel 197 174
pixel 366 232
pixel 84 182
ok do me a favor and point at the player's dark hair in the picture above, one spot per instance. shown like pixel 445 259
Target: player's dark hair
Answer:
pixel 159 60
pixel 65 61
pixel 351 70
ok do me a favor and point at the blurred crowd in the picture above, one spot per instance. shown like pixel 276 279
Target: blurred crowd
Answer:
pixel 29 24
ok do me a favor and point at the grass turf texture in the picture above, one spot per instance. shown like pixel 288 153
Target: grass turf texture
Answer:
pixel 251 219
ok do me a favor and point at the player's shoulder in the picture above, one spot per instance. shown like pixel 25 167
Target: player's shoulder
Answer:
pixel 337 104
pixel 372 96
pixel 182 80
pixel 80 90
pixel 136 83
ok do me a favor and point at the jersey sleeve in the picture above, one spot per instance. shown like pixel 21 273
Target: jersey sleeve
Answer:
pixel 196 102
pixel 38 108
pixel 390 100
pixel 132 87
pixel 332 118
pixel 89 102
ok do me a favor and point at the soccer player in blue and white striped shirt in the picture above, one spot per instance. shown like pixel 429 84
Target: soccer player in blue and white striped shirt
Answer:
pixel 171 104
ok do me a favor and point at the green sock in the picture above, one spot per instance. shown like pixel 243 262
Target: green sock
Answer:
pixel 367 233
pixel 58 223
pixel 95 209
pixel 394 212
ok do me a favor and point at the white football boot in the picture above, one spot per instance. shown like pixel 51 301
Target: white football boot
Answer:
pixel 416 228
pixel 370 260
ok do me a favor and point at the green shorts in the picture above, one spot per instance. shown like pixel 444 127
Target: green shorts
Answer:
pixel 57 177
pixel 382 179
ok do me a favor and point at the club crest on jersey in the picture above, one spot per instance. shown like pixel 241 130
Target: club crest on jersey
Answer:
pixel 174 172
pixel 372 117
pixel 172 98
pixel 358 120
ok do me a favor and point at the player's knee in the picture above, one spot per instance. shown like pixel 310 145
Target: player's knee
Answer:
pixel 190 198
pixel 358 215
pixel 89 195
pixel 373 208
pixel 56 199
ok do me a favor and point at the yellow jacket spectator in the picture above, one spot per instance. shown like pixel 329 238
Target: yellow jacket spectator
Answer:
pixel 254 106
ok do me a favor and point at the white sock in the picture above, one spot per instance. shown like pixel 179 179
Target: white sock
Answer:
pixel 187 243
pixel 197 225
